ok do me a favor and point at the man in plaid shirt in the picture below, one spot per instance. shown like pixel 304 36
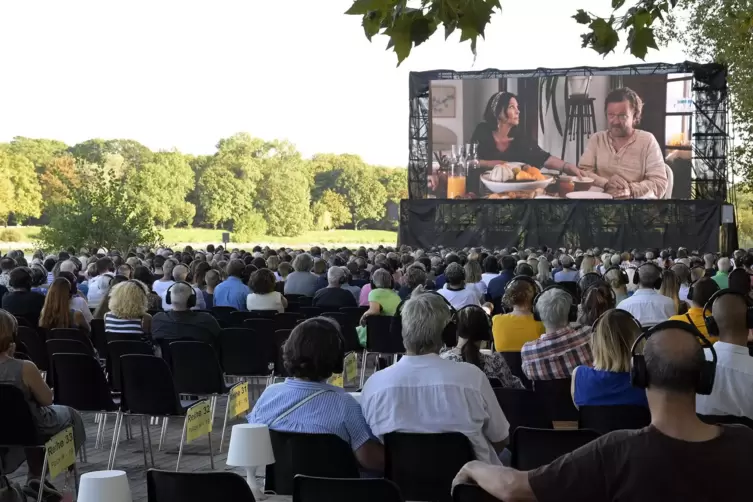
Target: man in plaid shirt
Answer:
pixel 557 352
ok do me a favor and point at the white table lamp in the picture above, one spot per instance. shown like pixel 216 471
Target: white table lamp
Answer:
pixel 111 486
pixel 250 447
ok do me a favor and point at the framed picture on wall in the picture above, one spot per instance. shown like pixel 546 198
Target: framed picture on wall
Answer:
pixel 443 101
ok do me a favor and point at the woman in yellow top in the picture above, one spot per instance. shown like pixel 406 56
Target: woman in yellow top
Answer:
pixel 511 331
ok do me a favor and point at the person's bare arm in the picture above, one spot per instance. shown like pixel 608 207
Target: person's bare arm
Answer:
pixel 374 309
pixel 80 321
pixel 371 456
pixel 503 483
pixel 284 302
pixel 36 384
pixel 146 323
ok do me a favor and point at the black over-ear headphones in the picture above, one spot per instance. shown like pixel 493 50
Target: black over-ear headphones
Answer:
pixel 624 281
pixel 639 376
pixel 191 299
pixel 487 336
pixel 637 275
pixel 572 315
pixel 709 320
pixel 530 280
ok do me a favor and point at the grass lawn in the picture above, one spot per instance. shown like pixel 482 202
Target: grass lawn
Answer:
pixel 173 236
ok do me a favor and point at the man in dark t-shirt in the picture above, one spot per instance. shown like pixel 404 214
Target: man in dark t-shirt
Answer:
pixel 667 460
pixel 333 296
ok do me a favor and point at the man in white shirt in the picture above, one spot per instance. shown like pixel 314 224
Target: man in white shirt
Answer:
pixel 423 393
pixel 733 384
pixel 455 290
pixel 162 285
pixel 99 285
pixel 647 304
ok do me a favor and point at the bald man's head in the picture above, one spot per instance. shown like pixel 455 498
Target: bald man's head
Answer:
pixel 674 359
pixel 730 313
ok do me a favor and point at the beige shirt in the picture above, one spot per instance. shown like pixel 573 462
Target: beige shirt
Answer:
pixel 639 162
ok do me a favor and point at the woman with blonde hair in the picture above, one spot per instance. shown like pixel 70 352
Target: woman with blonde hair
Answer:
pixel 473 279
pixel 618 281
pixel 670 287
pixel 57 311
pixel 607 382
pixel 588 265
pixel 129 302
pixel 544 274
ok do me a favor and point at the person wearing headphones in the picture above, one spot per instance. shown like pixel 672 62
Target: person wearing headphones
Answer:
pixel 333 297
pixel 306 403
pixel 561 348
pixel 181 321
pixel 513 329
pixel 698 295
pixel 618 280
pixel 730 317
pixel 647 305
pixel 180 274
pixel 658 463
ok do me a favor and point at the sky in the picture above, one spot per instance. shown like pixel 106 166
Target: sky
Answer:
pixel 183 74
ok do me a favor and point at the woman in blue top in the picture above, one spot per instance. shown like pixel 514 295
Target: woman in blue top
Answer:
pixel 607 383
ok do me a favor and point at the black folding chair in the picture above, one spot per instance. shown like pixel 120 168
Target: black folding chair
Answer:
pixel 522 408
pixel 556 396
pixel 532 448
pixel 35 346
pixel 604 419
pixel 123 337
pixel 287 320
pixel 98 337
pixel 264 314
pixel 293 297
pixel 515 362
pixel 80 383
pixel 70 334
pixel 246 353
pixel 471 493
pixel 354 313
pixel 380 339
pixel 265 327
pixel 118 349
pixel 164 486
pixel 310 312
pixel 66 347
pixel 149 391
pixel 424 465
pixel 235 319
pixel 320 455
pixel 348 329
pixel 293 307
pixel 280 337
pixel 313 489
pixel 305 301
pixel 223 314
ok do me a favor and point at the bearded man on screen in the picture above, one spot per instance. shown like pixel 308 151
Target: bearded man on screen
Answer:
pixel 626 162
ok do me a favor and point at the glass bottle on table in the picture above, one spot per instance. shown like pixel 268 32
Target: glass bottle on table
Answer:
pixel 457 175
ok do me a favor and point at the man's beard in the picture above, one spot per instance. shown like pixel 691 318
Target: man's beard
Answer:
pixel 618 131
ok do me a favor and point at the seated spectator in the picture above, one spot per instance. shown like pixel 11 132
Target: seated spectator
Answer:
pixel 125 270
pixel 334 296
pixel 683 277
pixel 496 288
pixel 514 329
pixel 311 354
pixel 180 274
pixel 6 265
pixel 49 419
pixel 618 281
pixel 415 276
pixel 302 281
pixel 597 299
pixel 607 382
pixel 434 395
pixel 448 260
pixel 198 275
pixel 647 305
pixel 473 329
pixel 284 271
pixel 561 348
pixel 722 275
pixel 264 296
pixel 143 275
pixel 99 284
pixel 700 293
pixel 739 281
pixel 491 269
pixel 38 279
pixel 670 287
pixel 473 279
pixel 129 302
pixel 181 322
pixel 544 273
pixel 57 311
pixel 320 271
pixel 77 300
pixel 104 305
pixel 349 286
pixel 655 464
pixel 212 279
pixel 455 290
pixel 21 301
pixel 232 292
pixel 383 300
pixel 568 272
pixel 733 385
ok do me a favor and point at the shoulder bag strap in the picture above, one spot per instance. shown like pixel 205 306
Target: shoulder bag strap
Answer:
pixel 297 405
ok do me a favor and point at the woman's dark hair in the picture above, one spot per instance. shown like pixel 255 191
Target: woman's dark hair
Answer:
pixel 473 326
pixel 247 273
pixel 739 281
pixel 49 264
pixel 259 263
pixel 262 281
pixel 494 107
pixel 71 279
pixel 597 299
pixel 314 349
pixel 200 272
pixel 38 276
pixel 20 278
pixel 524 269
pixel 491 265
pixel 143 274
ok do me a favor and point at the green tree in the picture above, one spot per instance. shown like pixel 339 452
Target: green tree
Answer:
pixel 395 181
pixel 284 199
pixel 100 213
pixel 41 152
pixel 248 226
pixel 408 27
pixel 330 211
pixel 26 201
pixel 744 218
pixel 365 194
pixel 222 195
pixel 59 174
pixel 96 151
pixel 325 168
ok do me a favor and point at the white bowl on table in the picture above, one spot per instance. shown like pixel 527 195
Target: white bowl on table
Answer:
pixel 513 186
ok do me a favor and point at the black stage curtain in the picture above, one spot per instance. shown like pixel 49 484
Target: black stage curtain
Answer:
pixel 620 225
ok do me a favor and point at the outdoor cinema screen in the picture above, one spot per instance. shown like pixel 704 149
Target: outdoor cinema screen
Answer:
pixel 576 137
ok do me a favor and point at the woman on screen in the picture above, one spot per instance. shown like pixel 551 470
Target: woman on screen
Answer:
pixel 499 138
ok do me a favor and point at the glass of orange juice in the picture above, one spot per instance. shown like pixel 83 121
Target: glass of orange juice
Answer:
pixel 455 186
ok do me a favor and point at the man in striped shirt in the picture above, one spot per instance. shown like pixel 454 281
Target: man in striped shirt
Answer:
pixel 561 348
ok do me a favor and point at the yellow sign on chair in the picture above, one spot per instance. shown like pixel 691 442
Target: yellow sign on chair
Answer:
pixel 336 380
pixel 61 452
pixel 351 367
pixel 199 421
pixel 238 400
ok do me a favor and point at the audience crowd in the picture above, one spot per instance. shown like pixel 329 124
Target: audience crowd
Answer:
pixel 632 328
